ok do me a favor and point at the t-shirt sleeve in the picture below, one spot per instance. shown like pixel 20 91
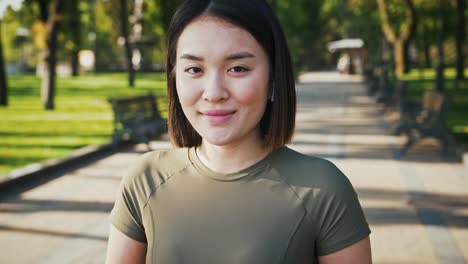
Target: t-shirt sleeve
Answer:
pixel 340 217
pixel 127 213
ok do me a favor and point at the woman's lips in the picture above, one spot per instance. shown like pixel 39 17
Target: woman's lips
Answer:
pixel 218 116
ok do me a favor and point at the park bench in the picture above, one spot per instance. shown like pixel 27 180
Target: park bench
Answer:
pixel 136 119
pixel 429 121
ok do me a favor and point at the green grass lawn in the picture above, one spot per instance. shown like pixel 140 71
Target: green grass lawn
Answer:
pixel 82 115
pixel 419 81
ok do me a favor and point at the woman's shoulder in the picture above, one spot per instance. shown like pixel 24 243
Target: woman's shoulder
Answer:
pixel 306 171
pixel 324 190
pixel 167 160
pixel 154 168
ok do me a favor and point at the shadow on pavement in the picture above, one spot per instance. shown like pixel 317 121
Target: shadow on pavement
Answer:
pixel 432 208
pixel 30 206
pixel 344 122
pixel 33 231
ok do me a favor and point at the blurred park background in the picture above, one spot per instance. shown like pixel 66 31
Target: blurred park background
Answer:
pixel 60 60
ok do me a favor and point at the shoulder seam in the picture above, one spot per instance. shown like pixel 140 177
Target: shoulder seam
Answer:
pixel 293 233
pixel 170 176
pixel 295 192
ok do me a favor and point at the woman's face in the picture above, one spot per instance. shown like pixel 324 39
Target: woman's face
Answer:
pixel 222 76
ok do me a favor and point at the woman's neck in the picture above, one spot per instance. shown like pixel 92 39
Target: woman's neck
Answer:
pixel 231 158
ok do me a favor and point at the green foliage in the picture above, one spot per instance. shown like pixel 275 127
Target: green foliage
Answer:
pixel 397 15
pixel 426 34
pixel 10 24
pixel 160 13
pixel 28 133
pixel 107 31
pixel 166 10
pixel 303 28
pixel 308 25
pixel 353 19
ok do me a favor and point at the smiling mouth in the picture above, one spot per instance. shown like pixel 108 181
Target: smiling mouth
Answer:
pixel 218 116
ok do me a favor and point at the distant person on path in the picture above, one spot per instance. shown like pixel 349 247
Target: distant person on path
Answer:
pixel 232 192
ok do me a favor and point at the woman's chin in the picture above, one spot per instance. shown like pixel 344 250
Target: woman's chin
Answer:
pixel 217 141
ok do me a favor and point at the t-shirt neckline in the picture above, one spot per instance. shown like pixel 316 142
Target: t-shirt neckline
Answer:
pixel 252 169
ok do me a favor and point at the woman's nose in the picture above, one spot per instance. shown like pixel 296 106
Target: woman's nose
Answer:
pixel 215 89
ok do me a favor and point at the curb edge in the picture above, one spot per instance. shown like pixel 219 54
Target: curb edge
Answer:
pixel 36 171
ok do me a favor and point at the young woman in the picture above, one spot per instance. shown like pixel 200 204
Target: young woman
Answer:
pixel 232 192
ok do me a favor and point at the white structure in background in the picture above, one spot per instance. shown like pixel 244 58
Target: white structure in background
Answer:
pixel 14 4
pixel 345 44
pixel 353 54
pixel 87 60
pixel 62 69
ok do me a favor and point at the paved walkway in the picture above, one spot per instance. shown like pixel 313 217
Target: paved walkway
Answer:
pixel 417 207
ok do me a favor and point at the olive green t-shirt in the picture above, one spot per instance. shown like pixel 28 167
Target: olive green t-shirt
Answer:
pixel 286 208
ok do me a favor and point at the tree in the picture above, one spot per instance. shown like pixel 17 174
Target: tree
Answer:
pixel 127 48
pixel 273 4
pixel 426 30
pixel 101 24
pixel 50 59
pixel 440 65
pixel 400 39
pixel 3 76
pixel 74 24
pixel 353 19
pixel 302 24
pixel 167 9
pixel 460 38
pixel 160 15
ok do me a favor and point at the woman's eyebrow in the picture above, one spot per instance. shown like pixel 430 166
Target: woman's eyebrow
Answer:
pixel 241 55
pixel 235 56
pixel 190 57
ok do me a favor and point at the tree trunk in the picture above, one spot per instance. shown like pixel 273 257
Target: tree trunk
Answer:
pixel 127 48
pixel 75 25
pixel 440 66
pixel 44 10
pixel 399 56
pixel 398 41
pixel 3 76
pixel 407 56
pixel 50 59
pixel 413 25
pixel 139 37
pixel 273 4
pixel 427 55
pixel 42 63
pixel 460 39
pixel 74 62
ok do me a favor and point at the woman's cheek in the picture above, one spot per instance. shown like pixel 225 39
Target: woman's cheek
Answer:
pixel 253 91
pixel 187 93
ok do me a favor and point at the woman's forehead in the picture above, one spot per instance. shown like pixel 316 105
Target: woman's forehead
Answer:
pixel 210 34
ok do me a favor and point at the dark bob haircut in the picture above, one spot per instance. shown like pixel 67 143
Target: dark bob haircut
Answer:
pixel 256 17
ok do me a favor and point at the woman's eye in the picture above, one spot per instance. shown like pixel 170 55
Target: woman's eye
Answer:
pixel 238 69
pixel 193 70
